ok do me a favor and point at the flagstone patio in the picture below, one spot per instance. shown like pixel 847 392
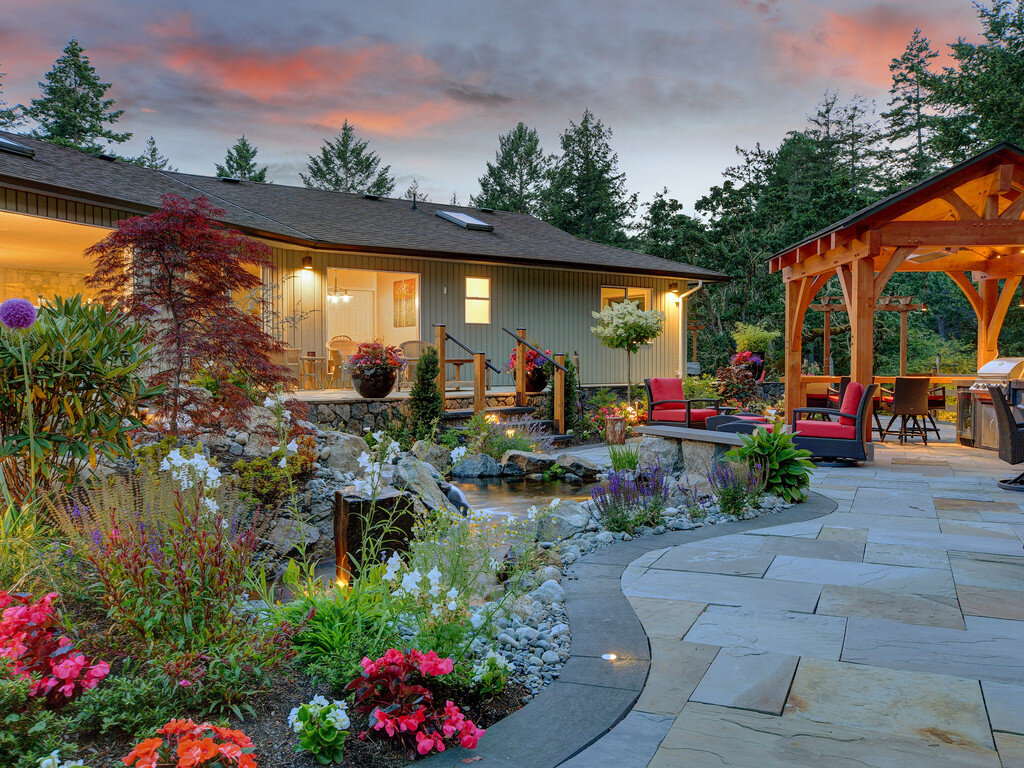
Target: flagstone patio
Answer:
pixel 888 633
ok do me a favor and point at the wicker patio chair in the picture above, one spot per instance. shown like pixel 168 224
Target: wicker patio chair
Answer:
pixel 842 439
pixel 1011 438
pixel 339 349
pixel 668 406
pixel 908 403
pixel 289 358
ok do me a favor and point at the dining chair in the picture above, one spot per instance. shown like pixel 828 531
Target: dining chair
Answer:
pixel 908 403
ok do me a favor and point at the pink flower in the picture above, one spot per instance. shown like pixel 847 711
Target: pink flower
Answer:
pixel 185 683
pixel 426 742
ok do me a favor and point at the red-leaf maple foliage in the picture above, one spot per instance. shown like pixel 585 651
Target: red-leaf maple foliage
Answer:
pixel 181 271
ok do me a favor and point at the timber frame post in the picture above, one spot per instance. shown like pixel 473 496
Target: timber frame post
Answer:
pixel 440 337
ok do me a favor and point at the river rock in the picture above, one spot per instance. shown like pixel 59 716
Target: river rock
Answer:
pixel 528 463
pixel 417 477
pixel 657 451
pixel 289 535
pixel 549 592
pixel 548 573
pixel 341 451
pixel 437 456
pixel 477 465
pixel 568 518
pixel 583 468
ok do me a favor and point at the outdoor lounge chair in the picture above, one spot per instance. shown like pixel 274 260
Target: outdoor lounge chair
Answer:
pixel 841 439
pixel 668 406
pixel 1011 438
pixel 740 423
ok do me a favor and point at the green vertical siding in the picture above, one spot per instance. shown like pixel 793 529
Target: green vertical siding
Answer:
pixel 554 305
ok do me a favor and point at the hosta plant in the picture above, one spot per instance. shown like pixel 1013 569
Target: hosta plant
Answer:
pixel 784 468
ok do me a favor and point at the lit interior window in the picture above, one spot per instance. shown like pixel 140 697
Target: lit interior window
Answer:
pixel 478 300
pixel 613 294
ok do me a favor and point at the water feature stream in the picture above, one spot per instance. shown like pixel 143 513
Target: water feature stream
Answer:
pixel 500 496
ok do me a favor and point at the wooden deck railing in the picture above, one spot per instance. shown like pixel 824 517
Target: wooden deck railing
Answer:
pixel 557 387
pixel 480 366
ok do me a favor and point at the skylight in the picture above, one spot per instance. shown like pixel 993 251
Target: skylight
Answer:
pixel 6 145
pixel 465 220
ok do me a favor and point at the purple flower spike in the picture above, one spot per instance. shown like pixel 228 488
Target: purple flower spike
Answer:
pixel 17 314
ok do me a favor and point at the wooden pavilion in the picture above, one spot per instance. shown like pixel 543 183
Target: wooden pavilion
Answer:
pixel 964 222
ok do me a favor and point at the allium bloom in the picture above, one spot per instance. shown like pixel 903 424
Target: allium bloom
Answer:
pixel 17 314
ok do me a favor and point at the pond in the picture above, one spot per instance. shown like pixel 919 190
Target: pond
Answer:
pixel 498 496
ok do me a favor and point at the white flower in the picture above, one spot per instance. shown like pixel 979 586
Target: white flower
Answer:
pixel 378 436
pixel 270 402
pixel 362 488
pixel 338 718
pixel 434 578
pixel 283 462
pixel 394 565
pixel 554 503
pixel 458 453
pixel 53 761
pixel 453 593
pixel 293 720
pixel 453 605
pixel 319 701
pixel 435 610
pixel 364 460
pixel 411 582
pixel 292 447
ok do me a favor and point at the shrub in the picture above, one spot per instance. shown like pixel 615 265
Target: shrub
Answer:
pixel 392 691
pixel 736 385
pixel 756 339
pixel 129 704
pixel 426 402
pixel 702 387
pixel 627 499
pixel 170 565
pixel 573 406
pixel 263 480
pixel 734 486
pixel 784 468
pixel 321 726
pixel 82 363
pixel 190 746
pixel 29 559
pixel 624 457
pixel 623 325
pixel 28 733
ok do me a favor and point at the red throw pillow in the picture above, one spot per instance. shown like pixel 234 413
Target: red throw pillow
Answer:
pixel 851 402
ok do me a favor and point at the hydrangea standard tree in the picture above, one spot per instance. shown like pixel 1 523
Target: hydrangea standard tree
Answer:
pixel 181 271
pixel 623 325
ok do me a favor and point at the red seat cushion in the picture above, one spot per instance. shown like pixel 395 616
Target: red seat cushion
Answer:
pixel 666 389
pixel 887 399
pixel 851 402
pixel 831 429
pixel 936 401
pixel 750 418
pixel 698 415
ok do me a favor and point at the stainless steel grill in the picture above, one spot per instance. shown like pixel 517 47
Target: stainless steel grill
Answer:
pixel 976 416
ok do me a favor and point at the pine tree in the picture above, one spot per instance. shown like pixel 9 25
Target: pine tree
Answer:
pixel 586 195
pixel 347 164
pixel 412 192
pixel 240 163
pixel 425 400
pixel 8 115
pixel 667 232
pixel 151 158
pixel 516 178
pixel 71 109
pixel 909 124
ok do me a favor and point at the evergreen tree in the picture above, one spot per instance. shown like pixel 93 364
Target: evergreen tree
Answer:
pixel 425 399
pixel 347 164
pixel 909 125
pixel 151 158
pixel 71 109
pixel 412 192
pixel 8 115
pixel 586 195
pixel 667 232
pixel 240 163
pixel 980 98
pixel 515 180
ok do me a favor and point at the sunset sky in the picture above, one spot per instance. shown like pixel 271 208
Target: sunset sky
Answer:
pixel 432 84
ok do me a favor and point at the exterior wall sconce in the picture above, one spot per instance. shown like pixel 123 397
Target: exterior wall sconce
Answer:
pixel 307 262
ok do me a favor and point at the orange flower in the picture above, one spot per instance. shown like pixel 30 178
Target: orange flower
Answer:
pixel 193 752
pixel 177 727
pixel 229 735
pixel 144 753
pixel 247 761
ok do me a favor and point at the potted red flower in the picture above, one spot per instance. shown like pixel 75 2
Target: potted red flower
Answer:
pixel 536 369
pixel 375 368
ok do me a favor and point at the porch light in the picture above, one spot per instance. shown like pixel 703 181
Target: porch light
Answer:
pixel 673 288
pixel 346 296
pixel 307 262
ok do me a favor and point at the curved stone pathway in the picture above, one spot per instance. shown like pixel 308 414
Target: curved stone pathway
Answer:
pixel 888 633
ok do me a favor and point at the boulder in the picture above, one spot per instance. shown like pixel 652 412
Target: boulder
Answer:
pixel 568 518
pixel 437 456
pixel 477 465
pixel 528 463
pixel 547 573
pixel 549 592
pixel 582 467
pixel 417 477
pixel 658 451
pixel 341 451
pixel 289 535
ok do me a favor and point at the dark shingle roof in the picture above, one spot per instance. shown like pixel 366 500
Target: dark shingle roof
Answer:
pixel 328 220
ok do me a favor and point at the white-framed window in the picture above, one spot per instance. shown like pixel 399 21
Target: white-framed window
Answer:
pixel 478 300
pixel 613 294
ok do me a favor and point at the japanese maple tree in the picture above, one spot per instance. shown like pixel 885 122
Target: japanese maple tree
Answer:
pixel 181 270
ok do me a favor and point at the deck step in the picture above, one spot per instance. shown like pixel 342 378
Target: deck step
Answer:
pixel 467 413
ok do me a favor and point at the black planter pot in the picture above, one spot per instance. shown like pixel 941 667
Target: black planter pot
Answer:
pixel 756 369
pixel 536 380
pixel 376 383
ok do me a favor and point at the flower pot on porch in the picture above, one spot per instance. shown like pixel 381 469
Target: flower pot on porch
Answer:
pixel 375 383
pixel 614 430
pixel 756 369
pixel 536 380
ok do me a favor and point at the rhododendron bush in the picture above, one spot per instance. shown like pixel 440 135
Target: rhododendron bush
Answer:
pixel 393 691
pixel 34 650
pixel 188 745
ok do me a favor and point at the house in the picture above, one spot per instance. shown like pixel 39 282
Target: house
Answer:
pixel 357 265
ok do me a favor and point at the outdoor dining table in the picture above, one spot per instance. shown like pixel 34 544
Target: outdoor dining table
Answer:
pixel 314 369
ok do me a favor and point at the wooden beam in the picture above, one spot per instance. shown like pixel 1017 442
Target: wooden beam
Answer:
pixel 1013 210
pixel 558 393
pixel 963 211
pixel 480 382
pixel 794 347
pixel 995 323
pixel 903 343
pixel 987 347
pixel 843 273
pixel 882 278
pixel 1002 180
pixel 941 233
pixel 521 369
pixel 969 291
pixel 815 265
pixel 862 327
